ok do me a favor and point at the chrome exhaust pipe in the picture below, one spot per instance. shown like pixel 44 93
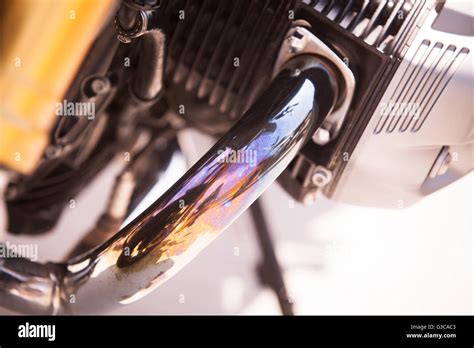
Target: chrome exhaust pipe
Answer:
pixel 192 213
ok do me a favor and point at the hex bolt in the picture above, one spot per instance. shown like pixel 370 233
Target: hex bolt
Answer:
pixel 321 176
pixel 100 85
pixel 322 136
pixel 96 85
pixel 297 42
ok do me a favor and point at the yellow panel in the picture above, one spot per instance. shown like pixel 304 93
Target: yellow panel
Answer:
pixel 43 43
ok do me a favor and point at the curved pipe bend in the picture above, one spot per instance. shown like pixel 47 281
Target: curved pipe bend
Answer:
pixel 200 205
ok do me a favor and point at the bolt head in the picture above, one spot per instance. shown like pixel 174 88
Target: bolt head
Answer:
pixel 297 42
pixel 321 176
pixel 100 85
pixel 322 136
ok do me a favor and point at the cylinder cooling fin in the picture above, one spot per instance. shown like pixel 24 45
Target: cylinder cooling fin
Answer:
pixel 221 55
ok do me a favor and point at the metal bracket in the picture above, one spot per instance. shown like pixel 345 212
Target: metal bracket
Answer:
pixel 299 41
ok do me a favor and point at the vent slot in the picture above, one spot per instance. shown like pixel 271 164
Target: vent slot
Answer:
pixel 424 79
pixel 378 22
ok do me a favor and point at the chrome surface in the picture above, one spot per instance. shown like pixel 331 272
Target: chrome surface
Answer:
pixel 28 287
pixel 300 41
pixel 192 213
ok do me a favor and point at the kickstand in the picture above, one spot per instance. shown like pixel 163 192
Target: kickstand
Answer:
pixel 269 270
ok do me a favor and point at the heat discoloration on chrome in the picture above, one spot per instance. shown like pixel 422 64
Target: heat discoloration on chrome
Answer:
pixel 204 202
pixel 200 205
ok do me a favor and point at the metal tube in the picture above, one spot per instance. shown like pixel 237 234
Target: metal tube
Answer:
pixel 204 202
pixel 148 82
pixel 28 287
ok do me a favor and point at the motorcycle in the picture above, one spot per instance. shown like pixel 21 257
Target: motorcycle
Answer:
pixel 346 99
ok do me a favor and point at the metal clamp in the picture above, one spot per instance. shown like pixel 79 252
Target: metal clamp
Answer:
pixel 299 41
pixel 138 29
pixel 133 17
